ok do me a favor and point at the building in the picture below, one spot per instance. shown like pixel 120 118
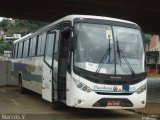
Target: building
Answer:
pixel 11 38
pixel 154 44
pixel 152 55
pixel 7 53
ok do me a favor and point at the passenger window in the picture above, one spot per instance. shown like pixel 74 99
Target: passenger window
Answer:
pixel 39 45
pixel 32 46
pixel 56 41
pixel 20 50
pixel 13 51
pixel 43 43
pixel 16 51
pixel 49 48
pixel 26 46
pixel 34 42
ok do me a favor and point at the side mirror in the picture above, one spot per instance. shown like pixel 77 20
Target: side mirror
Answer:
pixel 71 44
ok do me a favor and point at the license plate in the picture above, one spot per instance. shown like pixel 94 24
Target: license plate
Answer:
pixel 113 103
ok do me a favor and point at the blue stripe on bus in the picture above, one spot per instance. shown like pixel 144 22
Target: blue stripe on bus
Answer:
pixel 32 77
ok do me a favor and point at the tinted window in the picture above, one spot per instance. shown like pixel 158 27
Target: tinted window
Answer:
pixel 57 41
pixel 13 51
pixel 16 50
pixel 39 45
pixel 32 46
pixel 34 43
pixel 20 49
pixel 43 43
pixel 26 46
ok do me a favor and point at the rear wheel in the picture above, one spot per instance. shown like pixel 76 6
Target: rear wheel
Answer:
pixel 20 85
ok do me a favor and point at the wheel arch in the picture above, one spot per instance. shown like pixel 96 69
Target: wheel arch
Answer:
pixel 20 74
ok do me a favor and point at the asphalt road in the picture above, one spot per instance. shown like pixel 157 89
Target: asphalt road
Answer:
pixel 31 107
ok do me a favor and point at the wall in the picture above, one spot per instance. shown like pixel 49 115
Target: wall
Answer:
pixel 5 75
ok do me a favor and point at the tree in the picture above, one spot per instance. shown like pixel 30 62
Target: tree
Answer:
pixel 4 24
pixel 5 46
pixel 22 27
pixel 147 38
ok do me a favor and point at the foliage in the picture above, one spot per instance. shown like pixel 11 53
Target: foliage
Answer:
pixel 4 24
pixel 5 46
pixel 147 38
pixel 22 27
pixel 13 26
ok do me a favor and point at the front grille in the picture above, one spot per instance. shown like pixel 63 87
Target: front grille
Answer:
pixel 103 102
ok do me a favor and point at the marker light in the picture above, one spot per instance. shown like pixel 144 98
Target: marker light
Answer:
pixel 141 89
pixel 82 86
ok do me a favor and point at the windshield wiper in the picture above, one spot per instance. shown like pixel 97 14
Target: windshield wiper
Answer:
pixel 120 53
pixel 104 58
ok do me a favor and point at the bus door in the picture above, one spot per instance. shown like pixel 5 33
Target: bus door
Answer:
pixel 48 63
pixel 63 62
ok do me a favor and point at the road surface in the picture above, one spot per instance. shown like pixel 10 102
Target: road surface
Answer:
pixel 31 107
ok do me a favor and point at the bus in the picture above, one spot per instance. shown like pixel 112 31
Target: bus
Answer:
pixel 84 61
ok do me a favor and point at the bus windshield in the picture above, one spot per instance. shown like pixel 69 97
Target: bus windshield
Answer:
pixel 94 40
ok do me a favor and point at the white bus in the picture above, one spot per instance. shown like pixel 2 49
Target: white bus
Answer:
pixel 84 61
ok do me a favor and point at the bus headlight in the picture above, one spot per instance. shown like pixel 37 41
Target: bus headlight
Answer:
pixel 82 86
pixel 141 89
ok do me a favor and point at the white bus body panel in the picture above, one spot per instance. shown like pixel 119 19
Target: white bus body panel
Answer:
pixel 47 83
pixel 33 85
pixel 33 67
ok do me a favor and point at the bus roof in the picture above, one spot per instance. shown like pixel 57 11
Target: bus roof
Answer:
pixel 72 17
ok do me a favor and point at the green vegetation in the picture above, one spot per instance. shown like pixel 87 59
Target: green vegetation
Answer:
pixel 13 26
pixel 22 27
pixel 147 38
pixel 5 46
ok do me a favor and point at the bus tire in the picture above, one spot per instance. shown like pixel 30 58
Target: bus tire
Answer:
pixel 22 90
pixel 57 105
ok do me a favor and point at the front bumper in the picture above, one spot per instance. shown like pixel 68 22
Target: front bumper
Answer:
pixel 80 99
